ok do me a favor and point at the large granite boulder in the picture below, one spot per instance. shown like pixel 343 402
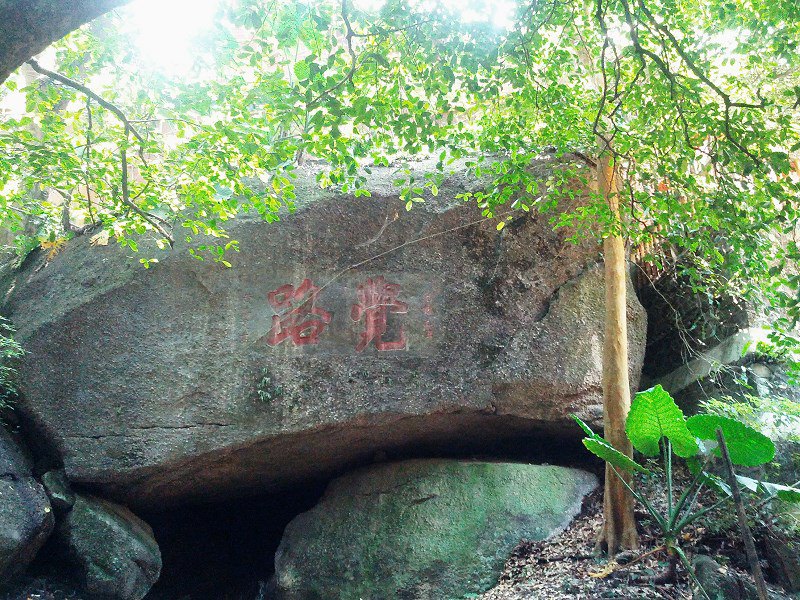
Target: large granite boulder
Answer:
pixel 113 551
pixel 26 519
pixel 423 529
pixel 333 337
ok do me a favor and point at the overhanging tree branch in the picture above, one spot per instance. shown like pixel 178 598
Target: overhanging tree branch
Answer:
pixel 153 220
pixel 63 79
pixel 349 35
pixel 126 199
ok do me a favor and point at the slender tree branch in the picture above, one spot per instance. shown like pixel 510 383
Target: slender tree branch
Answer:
pixel 747 536
pixel 126 200
pixel 153 220
pixel 728 103
pixel 88 92
pixel 88 154
pixel 382 32
pixel 66 224
pixel 349 35
pixel 583 157
pixel 693 66
pixel 171 119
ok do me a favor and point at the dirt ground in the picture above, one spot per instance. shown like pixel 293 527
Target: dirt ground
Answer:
pixel 566 566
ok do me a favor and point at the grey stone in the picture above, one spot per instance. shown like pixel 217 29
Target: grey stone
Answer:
pixel 58 490
pixel 721 583
pixel 26 519
pixel 170 384
pixel 113 551
pixel 423 529
pixel 761 370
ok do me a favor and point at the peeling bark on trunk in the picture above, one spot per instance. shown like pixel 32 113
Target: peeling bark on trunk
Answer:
pixel 619 523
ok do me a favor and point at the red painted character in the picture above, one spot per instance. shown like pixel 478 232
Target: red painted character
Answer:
pixel 376 299
pixel 298 318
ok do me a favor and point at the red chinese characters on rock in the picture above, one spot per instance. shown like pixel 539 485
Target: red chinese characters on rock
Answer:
pixel 299 319
pixel 376 299
pixel 427 309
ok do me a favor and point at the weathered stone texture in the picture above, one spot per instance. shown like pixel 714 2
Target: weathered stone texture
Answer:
pixel 173 383
pixel 28 26
pixel 113 551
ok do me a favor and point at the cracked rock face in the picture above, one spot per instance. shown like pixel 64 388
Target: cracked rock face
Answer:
pixel 423 529
pixel 334 336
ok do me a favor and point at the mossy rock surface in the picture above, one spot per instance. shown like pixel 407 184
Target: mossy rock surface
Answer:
pixel 423 529
pixel 112 551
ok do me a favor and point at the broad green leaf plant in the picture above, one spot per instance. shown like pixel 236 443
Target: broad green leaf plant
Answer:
pixel 657 427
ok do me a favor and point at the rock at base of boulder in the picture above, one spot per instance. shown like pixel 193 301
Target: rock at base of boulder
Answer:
pixel 783 557
pixel 423 529
pixel 59 491
pixel 26 519
pixel 721 583
pixel 114 551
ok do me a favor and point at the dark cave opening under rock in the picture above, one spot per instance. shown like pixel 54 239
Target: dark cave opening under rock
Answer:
pixel 224 550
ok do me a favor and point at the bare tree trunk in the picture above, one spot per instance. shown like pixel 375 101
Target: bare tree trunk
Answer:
pixel 619 523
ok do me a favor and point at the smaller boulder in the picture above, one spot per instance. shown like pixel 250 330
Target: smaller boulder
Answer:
pixel 721 583
pixel 62 498
pixel 423 529
pixel 113 550
pixel 26 519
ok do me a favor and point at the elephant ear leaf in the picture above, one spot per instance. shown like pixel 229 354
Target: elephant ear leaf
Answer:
pixel 746 446
pixel 602 449
pixel 654 415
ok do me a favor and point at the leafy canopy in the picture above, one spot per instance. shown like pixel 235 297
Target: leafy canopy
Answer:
pixel 698 102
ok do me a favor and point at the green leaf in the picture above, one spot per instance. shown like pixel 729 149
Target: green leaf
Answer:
pixel 448 74
pixel 786 493
pixel 746 446
pixel 783 492
pixel 602 449
pixel 654 415
pixel 301 70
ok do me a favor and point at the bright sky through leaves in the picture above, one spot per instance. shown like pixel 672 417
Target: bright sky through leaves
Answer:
pixel 165 32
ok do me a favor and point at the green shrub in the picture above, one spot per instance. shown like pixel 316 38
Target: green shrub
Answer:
pixel 10 351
